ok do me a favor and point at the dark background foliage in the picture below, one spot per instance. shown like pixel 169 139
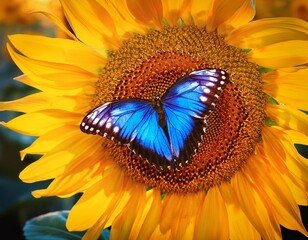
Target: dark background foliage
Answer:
pixel 17 205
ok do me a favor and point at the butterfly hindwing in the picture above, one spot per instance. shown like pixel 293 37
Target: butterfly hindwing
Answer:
pixel 132 122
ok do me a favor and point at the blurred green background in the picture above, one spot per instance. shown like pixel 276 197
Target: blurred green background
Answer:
pixel 17 205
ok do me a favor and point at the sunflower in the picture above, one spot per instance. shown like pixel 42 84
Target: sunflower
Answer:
pixel 279 8
pixel 246 179
pixel 17 12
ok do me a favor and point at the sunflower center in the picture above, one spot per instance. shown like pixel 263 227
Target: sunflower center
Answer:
pixel 148 65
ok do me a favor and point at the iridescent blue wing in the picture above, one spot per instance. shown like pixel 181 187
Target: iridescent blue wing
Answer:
pixel 186 105
pixel 133 122
pixel 167 136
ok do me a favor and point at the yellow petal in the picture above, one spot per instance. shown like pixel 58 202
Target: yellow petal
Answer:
pixel 108 217
pixel 38 123
pixel 200 11
pixel 297 137
pixel 148 12
pixel 237 217
pixel 124 21
pixel 212 221
pixel 184 225
pixel 158 235
pixel 58 50
pixel 175 10
pixel 288 87
pixel 288 117
pixel 72 187
pixel 188 228
pixel 273 157
pixel 228 11
pixel 91 23
pixel 172 204
pixel 50 140
pixel 243 15
pixel 147 218
pixel 293 153
pixel 298 192
pixel 97 201
pixel 254 206
pixel 264 32
pixel 122 225
pixel 49 88
pixel 54 163
pixel 281 54
pixel 95 231
pixel 56 74
pixel 60 24
pixel 283 149
pixel 296 185
pixel 79 175
pixel 278 193
pixel 42 100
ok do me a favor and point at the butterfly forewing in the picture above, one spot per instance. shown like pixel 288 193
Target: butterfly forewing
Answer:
pixel 132 122
pixel 138 123
pixel 186 104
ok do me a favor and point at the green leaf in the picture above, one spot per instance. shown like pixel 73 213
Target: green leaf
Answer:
pixel 265 70
pixel 52 226
pixel 165 22
pixel 181 22
pixel 272 101
pixel 246 50
pixel 163 195
pixel 270 122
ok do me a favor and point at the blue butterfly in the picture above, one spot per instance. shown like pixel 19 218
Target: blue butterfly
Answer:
pixel 165 131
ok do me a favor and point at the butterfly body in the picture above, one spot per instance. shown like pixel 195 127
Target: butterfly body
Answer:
pixel 165 131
